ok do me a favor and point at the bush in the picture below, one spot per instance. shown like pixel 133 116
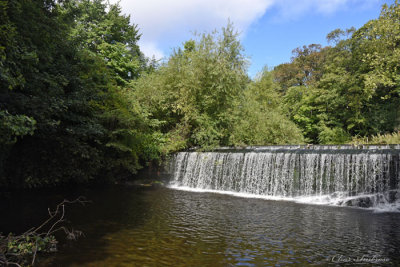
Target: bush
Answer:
pixel 380 139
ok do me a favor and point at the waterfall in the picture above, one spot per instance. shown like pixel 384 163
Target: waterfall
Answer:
pixel 365 176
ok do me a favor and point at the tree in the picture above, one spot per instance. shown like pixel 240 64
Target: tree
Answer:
pixel 99 27
pixel 50 93
pixel 351 88
pixel 193 95
pixel 63 101
pixel 261 120
pixel 305 68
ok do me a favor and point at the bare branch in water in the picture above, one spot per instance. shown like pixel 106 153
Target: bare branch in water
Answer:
pixel 21 249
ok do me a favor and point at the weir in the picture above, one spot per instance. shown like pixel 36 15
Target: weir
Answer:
pixel 363 176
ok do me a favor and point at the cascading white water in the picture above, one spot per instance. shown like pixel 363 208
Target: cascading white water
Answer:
pixel 343 175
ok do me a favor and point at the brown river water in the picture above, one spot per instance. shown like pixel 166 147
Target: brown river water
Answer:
pixel 132 226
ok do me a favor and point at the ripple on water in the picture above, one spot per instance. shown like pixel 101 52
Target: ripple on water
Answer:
pixel 203 229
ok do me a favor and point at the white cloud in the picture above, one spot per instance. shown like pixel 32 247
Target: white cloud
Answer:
pixel 150 50
pixel 159 15
pixel 166 24
pixel 169 21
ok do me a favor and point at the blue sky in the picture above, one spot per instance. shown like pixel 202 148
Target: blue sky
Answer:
pixel 270 29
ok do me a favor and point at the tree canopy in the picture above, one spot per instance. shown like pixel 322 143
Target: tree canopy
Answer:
pixel 203 97
pixel 80 102
pixel 349 89
pixel 65 117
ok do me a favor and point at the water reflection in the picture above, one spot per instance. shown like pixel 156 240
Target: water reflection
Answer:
pixel 165 227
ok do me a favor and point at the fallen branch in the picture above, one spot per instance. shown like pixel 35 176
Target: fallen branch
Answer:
pixel 23 249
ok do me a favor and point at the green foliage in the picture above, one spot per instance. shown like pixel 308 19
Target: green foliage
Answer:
pixel 22 250
pixel 27 245
pixel 299 102
pixel 99 27
pixel 12 127
pixel 65 70
pixel 79 101
pixel 379 139
pixel 349 89
pixel 192 96
pixel 304 70
pixel 202 97
pixel 333 136
pixel 260 118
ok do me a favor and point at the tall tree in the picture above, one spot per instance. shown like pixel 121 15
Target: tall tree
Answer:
pixel 101 29
pixel 305 68
pixel 203 97
pixel 193 94
pixel 64 98
pixel 353 88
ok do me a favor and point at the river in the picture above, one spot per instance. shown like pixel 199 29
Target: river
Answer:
pixel 136 226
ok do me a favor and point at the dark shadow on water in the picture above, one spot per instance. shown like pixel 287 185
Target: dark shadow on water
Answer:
pixel 111 208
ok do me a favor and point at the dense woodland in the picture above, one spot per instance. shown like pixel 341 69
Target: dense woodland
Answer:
pixel 80 102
